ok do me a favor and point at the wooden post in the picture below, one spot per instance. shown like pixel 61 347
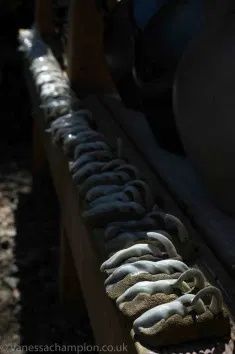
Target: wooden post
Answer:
pixel 39 155
pixel 87 68
pixel 44 16
pixel 111 4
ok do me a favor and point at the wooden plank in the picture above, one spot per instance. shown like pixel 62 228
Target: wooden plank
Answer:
pixel 87 68
pixel 39 155
pixel 70 289
pixel 44 17
pixel 108 324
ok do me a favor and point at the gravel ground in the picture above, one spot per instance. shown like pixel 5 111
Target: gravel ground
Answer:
pixel 30 311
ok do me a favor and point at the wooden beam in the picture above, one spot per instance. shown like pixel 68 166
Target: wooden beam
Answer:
pixel 108 324
pixel 70 290
pixel 39 155
pixel 44 17
pixel 87 68
pixel 77 242
pixel 111 4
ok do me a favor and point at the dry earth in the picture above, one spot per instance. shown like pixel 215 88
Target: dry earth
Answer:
pixel 30 311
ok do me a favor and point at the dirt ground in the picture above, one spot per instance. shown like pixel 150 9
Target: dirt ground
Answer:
pixel 30 310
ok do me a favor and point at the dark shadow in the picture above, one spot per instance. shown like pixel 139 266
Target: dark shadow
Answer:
pixel 42 318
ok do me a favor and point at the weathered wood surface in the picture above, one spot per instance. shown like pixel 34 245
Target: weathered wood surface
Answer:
pixel 108 324
pixel 87 69
pixel 44 17
pixel 78 242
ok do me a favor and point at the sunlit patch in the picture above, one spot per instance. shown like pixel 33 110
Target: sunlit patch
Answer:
pixel 13 183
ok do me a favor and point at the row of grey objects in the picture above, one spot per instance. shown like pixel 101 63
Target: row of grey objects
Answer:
pixel 151 290
pixel 119 201
pixel 56 97
pixel 112 189
pixel 140 239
